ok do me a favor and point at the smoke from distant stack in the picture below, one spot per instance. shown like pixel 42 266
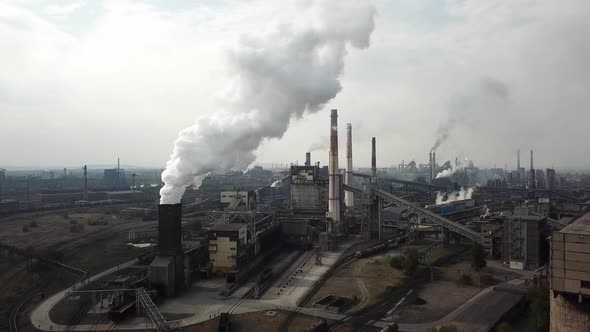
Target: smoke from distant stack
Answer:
pixel 483 95
pixel 280 75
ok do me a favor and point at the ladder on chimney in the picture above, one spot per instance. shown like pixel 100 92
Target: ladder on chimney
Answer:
pixel 150 309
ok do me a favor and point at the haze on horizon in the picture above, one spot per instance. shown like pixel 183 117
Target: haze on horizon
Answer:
pixel 85 82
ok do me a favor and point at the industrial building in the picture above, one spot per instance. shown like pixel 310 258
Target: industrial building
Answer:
pixel 570 277
pixel 227 247
pixel 260 230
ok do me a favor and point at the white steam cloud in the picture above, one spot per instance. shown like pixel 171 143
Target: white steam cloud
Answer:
pixel 321 145
pixel 460 195
pixel 279 75
pixel 482 96
pixel 455 168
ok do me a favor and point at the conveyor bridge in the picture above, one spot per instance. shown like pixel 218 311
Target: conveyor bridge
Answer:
pixel 430 216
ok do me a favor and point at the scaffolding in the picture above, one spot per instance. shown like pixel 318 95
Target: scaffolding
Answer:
pixel 516 240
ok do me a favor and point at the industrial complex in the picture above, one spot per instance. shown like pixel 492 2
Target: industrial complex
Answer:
pixel 303 247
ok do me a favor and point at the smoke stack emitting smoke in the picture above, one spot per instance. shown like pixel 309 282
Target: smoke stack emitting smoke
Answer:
pixel 484 95
pixel 292 69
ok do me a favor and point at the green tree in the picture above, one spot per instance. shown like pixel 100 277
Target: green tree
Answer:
pixel 410 262
pixel 539 300
pixel 478 257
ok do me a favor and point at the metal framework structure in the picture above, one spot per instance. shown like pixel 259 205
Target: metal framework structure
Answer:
pixel 515 241
pixel 258 222
pixel 430 216
pixel 145 305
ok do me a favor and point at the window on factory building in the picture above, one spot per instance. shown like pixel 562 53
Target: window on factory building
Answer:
pixel 585 284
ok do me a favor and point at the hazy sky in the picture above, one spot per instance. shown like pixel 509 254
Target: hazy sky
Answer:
pixel 82 82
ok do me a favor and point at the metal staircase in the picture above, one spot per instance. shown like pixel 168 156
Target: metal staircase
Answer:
pixel 147 305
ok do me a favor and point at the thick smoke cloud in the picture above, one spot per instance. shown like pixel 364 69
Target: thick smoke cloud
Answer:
pixel 483 95
pixel 280 75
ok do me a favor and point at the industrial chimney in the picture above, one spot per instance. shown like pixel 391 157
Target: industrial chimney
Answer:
pixel 334 177
pixel 518 167
pixel 532 184
pixel 348 196
pixel 86 182
pixel 373 158
pixel 308 159
pixel 167 269
pixel 433 168
pixel 430 164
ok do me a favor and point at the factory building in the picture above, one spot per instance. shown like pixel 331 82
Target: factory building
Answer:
pixel 227 247
pixel 308 191
pixel 238 200
pixel 570 277
pixel 491 238
pixel 114 177
pixel 523 239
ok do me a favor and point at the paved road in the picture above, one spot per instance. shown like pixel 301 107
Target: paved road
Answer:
pixel 40 315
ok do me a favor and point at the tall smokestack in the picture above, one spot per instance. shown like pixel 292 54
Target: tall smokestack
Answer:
pixel 334 178
pixel 348 196
pixel 433 165
pixel 85 182
pixel 170 240
pixel 518 167
pixel 373 158
pixel 533 183
pixel 430 164
pixel 308 159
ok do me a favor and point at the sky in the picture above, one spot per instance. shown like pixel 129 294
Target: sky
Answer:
pixel 85 82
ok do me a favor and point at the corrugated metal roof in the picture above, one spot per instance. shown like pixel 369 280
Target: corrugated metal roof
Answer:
pixel 579 226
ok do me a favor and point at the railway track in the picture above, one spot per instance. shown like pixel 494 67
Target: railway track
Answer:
pixel 13 318
pixel 363 319
pixel 344 260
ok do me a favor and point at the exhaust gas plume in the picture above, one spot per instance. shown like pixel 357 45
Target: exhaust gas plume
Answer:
pixel 322 144
pixel 277 76
pixel 455 168
pixel 460 195
pixel 484 95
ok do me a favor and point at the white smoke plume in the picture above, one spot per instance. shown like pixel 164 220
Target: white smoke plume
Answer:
pixel 323 144
pixel 455 168
pixel 483 95
pixel 278 75
pixel 460 195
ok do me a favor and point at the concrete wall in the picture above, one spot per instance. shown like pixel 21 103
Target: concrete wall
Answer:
pixel 567 315
pixel 570 263
pixel 223 254
pixel 161 275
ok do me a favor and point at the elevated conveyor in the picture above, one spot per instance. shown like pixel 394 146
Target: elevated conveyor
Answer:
pixel 430 216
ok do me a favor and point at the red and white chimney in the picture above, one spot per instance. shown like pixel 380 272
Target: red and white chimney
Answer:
pixel 334 177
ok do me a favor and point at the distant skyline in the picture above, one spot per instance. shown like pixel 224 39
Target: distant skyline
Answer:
pixel 85 82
